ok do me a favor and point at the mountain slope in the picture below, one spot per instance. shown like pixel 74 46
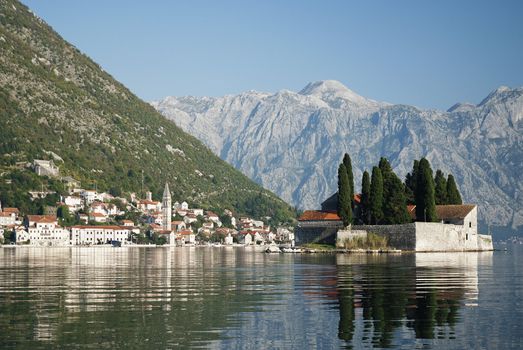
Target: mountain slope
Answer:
pixel 55 99
pixel 292 142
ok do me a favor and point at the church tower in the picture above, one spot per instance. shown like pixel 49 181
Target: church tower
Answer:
pixel 166 209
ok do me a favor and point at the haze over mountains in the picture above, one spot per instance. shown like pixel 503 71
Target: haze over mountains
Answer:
pixel 292 142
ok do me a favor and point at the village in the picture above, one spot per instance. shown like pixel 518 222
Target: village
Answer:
pixel 86 217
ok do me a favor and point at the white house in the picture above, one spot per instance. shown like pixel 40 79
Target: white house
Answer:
pixel 97 217
pixel 228 239
pixel 74 203
pixel 44 230
pixel 189 219
pixel 147 206
pixel 7 219
pixel 89 196
pixel 186 237
pixel 90 235
pixel 184 206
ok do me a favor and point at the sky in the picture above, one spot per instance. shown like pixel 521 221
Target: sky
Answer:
pixel 430 54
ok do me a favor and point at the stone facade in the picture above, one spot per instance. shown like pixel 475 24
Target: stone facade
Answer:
pixel 426 237
pixel 317 231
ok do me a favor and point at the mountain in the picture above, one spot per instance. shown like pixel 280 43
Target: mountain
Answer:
pixel 293 142
pixel 56 102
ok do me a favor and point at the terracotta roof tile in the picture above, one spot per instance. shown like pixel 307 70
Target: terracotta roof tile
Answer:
pixel 318 215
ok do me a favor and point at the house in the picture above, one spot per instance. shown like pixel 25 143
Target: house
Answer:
pixel 45 168
pixel 178 225
pixel 148 206
pixel 73 202
pixel 209 215
pixel 83 218
pixel 187 237
pixel 44 230
pixel 317 226
pixel 245 237
pixel 189 219
pixel 89 196
pixel 7 219
pixel 184 206
pixel 91 235
pixel 196 212
pixel 127 223
pixel 228 240
pixel 97 217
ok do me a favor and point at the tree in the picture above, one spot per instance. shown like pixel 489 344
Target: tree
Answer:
pixel 348 166
pixel 410 183
pixel 365 198
pixel 453 195
pixel 66 218
pixel 440 190
pixel 394 201
pixel 425 197
pixel 376 196
pixel 344 202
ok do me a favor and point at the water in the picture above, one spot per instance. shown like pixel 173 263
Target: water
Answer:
pixel 231 298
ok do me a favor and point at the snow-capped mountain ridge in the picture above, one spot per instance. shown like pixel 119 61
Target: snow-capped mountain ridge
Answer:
pixel 292 142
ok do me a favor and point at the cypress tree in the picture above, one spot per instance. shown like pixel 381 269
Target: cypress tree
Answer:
pixel 348 165
pixel 410 183
pixel 453 196
pixel 394 201
pixel 376 196
pixel 440 190
pixel 425 197
pixel 365 198
pixel 344 203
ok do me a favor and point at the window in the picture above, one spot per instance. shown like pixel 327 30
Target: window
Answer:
pixel 470 224
pixel 467 236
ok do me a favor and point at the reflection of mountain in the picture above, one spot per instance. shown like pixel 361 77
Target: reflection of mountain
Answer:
pixel 379 296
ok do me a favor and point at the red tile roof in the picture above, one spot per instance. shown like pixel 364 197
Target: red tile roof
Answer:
pixel 42 218
pixel 318 215
pixel 446 212
pixel 105 227
pixel 11 210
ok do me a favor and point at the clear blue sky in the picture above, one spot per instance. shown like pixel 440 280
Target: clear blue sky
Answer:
pixel 426 53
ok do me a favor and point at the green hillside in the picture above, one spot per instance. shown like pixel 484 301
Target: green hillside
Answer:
pixel 55 99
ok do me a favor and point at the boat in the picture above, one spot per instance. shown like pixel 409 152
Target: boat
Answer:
pixel 116 244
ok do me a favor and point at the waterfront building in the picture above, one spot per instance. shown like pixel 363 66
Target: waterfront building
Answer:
pixel 94 234
pixel 43 230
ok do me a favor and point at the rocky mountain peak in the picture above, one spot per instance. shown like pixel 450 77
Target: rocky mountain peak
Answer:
pixel 336 94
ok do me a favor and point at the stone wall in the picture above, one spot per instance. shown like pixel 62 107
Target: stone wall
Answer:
pixel 317 232
pixel 426 237
pixel 398 236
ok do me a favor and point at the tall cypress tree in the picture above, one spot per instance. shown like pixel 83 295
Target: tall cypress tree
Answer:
pixel 394 201
pixel 425 198
pixel 365 198
pixel 376 196
pixel 410 183
pixel 440 190
pixel 348 165
pixel 344 203
pixel 453 196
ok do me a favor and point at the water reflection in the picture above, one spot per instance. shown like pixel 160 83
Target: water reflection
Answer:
pixel 231 298
pixel 419 293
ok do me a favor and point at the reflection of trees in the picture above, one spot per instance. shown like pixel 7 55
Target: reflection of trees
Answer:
pixel 392 294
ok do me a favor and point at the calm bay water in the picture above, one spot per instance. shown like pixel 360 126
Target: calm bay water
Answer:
pixel 236 298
